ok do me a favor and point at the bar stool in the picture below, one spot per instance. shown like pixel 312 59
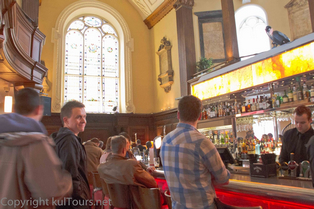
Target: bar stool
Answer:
pixel 168 199
pixel 221 205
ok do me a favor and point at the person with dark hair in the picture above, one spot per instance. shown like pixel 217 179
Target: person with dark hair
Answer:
pixel 128 154
pixel 29 166
pixel 93 153
pixel 295 140
pixel 277 37
pixel 71 151
pixel 120 170
pixel 140 146
pixel 192 164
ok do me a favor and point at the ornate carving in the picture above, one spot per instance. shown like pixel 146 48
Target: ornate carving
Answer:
pixel 165 65
pixel 141 5
pixel 159 13
pixel 186 3
pixel 294 3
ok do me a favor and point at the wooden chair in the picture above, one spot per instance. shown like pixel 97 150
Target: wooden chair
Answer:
pixel 168 199
pixel 145 197
pixel 120 195
pixel 221 205
pixel 106 191
pixel 97 186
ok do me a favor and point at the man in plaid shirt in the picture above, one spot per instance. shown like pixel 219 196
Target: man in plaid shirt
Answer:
pixel 191 163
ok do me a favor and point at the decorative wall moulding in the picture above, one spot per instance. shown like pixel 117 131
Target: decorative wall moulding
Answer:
pixel 165 65
pixel 159 13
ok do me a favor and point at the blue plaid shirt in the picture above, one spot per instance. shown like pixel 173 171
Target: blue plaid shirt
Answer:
pixel 191 165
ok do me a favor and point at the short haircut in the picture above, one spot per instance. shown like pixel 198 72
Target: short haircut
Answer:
pixel 126 135
pixel 26 101
pixel 190 108
pixel 95 140
pixel 267 29
pixel 138 141
pixel 66 110
pixel 117 144
pixel 108 144
pixel 148 144
pixel 302 109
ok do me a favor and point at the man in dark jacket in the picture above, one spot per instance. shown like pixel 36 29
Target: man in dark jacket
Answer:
pixel 72 153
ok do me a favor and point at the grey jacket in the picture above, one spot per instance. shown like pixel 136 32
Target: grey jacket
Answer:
pixel 29 166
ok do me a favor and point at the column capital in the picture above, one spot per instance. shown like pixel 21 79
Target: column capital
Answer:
pixel 184 3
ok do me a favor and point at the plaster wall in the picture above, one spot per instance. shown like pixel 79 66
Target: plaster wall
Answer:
pixel 142 65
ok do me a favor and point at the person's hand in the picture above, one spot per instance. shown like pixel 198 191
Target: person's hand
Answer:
pixel 151 169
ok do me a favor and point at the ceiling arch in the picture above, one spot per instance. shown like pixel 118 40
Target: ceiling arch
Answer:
pixel 146 7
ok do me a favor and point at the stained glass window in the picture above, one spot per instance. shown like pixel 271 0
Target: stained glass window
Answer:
pixel 91 73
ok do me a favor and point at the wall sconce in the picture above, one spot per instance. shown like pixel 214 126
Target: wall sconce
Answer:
pixel 8 101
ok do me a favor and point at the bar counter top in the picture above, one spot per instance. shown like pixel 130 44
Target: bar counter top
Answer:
pixel 297 191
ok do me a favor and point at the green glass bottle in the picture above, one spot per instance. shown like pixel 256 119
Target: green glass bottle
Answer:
pixel 285 98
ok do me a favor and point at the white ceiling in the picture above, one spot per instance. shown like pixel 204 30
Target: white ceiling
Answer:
pixel 146 7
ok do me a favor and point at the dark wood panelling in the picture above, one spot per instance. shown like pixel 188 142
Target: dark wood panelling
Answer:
pixel 147 126
pixel 20 48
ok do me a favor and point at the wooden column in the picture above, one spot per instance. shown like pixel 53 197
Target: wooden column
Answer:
pixel 229 29
pixel 186 45
pixel 311 8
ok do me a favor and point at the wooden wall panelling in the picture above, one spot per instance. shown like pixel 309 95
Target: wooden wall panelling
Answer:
pixel 311 8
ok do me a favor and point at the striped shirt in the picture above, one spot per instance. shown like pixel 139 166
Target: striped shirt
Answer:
pixel 191 165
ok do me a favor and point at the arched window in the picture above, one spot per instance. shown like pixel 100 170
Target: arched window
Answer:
pixel 251 23
pixel 92 58
pixel 91 68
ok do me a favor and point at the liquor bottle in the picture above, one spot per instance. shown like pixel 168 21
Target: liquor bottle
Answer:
pixel 285 98
pixel 312 93
pixel 292 166
pixel 306 92
pixel 273 100
pixel 295 93
pixel 243 108
pixel 222 138
pixel 299 91
pixel 290 95
pixel 278 101
pixel 248 107
pixel 235 107
pixel 253 106
pixel 205 113
pixel 260 103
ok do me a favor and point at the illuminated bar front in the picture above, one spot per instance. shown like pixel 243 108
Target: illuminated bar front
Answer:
pixel 289 63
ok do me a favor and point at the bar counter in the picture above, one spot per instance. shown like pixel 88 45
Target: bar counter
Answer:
pixel 269 193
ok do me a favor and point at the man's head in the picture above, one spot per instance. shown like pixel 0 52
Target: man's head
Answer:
pixel 303 118
pixel 95 140
pixel 269 30
pixel 127 136
pixel 73 116
pixel 28 103
pixel 119 145
pixel 138 142
pixel 189 109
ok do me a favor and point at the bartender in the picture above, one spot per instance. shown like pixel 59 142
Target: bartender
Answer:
pixel 295 140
